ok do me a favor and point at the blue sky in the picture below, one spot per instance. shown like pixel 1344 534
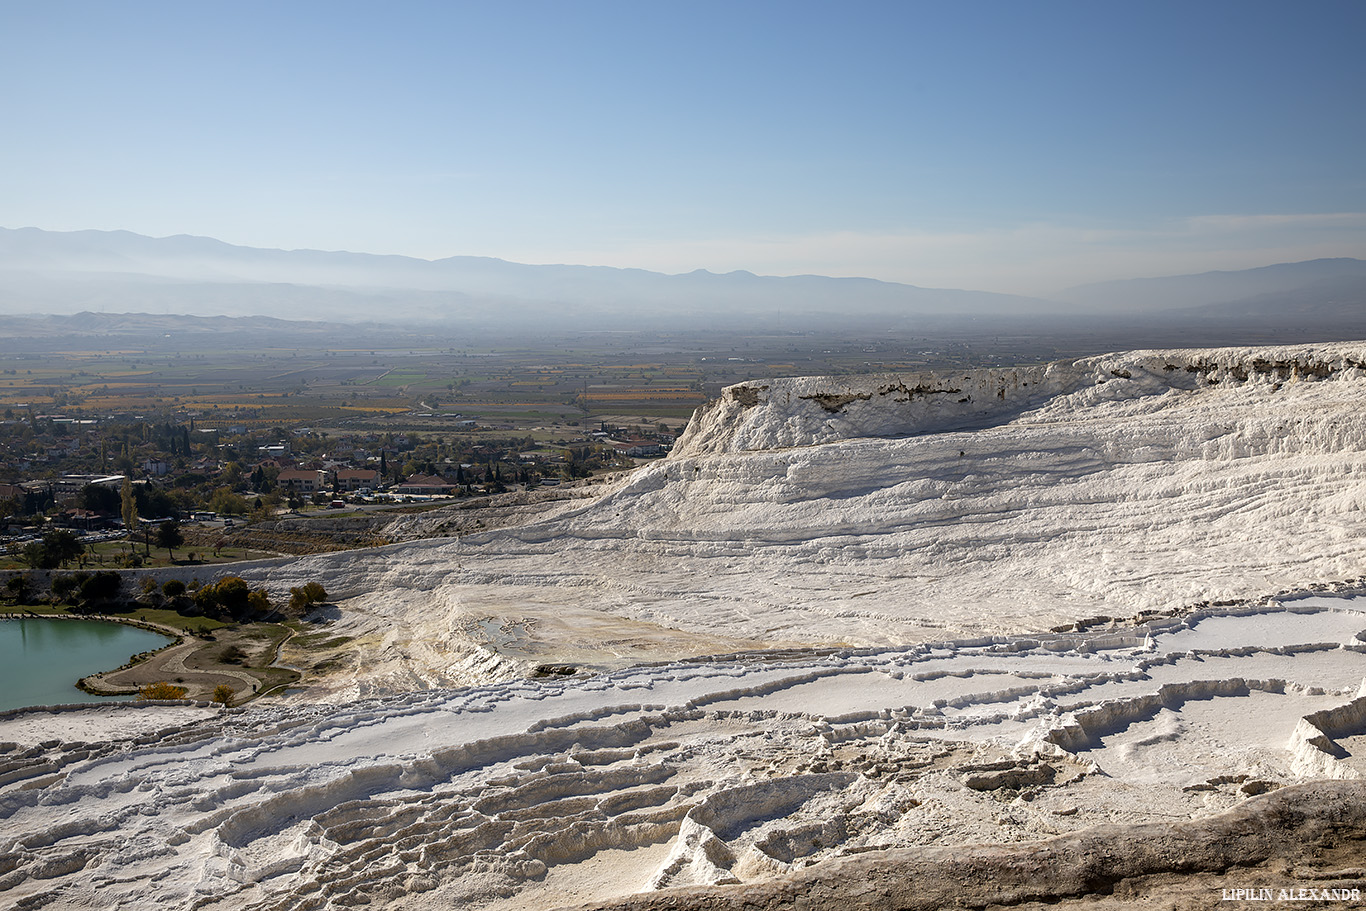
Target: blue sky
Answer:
pixel 1002 146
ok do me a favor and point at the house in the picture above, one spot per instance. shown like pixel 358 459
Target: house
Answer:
pixel 428 485
pixel 69 485
pixel 350 479
pixel 302 480
pixel 83 519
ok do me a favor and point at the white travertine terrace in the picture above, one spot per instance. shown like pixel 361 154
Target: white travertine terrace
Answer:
pixel 881 557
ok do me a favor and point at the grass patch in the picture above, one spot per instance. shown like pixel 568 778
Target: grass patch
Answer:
pixel 397 379
pixel 322 640
pixel 195 625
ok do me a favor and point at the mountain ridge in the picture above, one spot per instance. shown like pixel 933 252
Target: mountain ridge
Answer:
pixel 68 272
pixel 1220 287
pixel 46 268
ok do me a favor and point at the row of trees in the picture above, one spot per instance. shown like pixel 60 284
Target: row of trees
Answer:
pixel 59 546
pixel 222 694
pixel 229 598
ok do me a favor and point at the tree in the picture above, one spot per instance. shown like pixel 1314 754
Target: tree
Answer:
pixel 258 602
pixel 19 587
pixel 232 595
pixel 153 502
pixel 222 694
pixel 227 502
pixel 130 507
pixel 162 690
pixel 63 587
pixel 170 537
pixel 105 585
pixel 305 596
pixel 11 506
pixel 99 499
pixel 57 547
pixel 36 556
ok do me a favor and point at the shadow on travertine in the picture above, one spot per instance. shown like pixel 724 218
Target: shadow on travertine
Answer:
pixel 1307 837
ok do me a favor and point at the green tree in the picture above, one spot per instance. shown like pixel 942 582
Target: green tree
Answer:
pixel 19 586
pixel 153 502
pixel 170 537
pixel 129 506
pixel 57 547
pixel 99 499
pixel 36 556
pixel 227 502
pixel 233 596
pixel 102 586
pixel 63 587
pixel 10 507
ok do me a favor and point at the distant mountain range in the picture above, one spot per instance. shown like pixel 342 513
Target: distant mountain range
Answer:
pixel 1317 288
pixel 66 272
pixel 114 272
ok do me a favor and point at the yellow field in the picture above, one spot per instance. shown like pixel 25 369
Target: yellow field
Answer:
pixel 644 395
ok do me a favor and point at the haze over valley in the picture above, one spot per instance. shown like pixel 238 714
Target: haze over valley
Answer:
pixel 118 272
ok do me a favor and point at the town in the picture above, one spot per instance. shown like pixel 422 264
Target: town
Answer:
pixel 94 476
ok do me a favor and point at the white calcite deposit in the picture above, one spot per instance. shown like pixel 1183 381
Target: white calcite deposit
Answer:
pixel 869 511
pixel 877 560
pixel 541 792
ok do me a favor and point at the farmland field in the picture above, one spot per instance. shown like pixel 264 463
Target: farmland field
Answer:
pixel 303 375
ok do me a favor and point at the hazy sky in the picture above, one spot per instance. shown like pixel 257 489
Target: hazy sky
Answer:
pixel 1006 146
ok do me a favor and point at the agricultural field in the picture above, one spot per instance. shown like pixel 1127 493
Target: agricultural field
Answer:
pixel 322 380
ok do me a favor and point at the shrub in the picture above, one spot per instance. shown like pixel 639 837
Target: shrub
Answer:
pixel 305 596
pixel 162 690
pixel 231 595
pixel 259 602
pixel 63 586
pixel 104 585
pixel 232 655
pixel 173 588
pixel 222 694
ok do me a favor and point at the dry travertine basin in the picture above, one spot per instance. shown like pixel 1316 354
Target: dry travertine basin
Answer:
pixel 879 562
